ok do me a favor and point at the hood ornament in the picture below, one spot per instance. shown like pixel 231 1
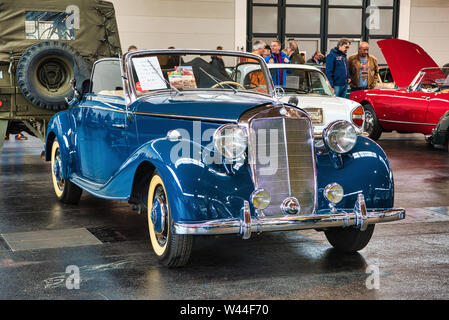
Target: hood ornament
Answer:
pixel 279 93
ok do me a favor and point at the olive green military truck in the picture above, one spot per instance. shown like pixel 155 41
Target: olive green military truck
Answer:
pixel 44 45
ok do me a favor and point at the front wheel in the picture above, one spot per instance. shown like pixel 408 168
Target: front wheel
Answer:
pixel 66 191
pixel 349 239
pixel 173 250
pixel 372 126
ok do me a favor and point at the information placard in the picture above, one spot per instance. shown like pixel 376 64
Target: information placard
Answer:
pixel 149 73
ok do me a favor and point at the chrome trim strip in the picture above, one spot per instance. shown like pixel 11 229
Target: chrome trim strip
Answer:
pixel 286 158
pixel 102 108
pixel 405 122
pixel 162 115
pixel 341 219
pixel 167 115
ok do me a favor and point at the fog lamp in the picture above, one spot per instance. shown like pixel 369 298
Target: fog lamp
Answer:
pixel 261 199
pixel 334 193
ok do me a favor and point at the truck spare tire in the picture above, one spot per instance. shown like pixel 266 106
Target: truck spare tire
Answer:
pixel 45 71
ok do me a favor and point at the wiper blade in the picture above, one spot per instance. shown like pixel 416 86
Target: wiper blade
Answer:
pixel 218 82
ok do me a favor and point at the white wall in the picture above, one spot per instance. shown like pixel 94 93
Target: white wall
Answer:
pixel 429 27
pixel 158 24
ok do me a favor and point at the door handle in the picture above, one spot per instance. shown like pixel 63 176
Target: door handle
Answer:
pixel 118 125
pixel 425 97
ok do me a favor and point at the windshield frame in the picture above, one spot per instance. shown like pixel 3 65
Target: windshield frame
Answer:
pixel 130 91
pixel 416 83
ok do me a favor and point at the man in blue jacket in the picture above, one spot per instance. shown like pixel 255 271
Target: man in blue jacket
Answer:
pixel 337 69
pixel 277 56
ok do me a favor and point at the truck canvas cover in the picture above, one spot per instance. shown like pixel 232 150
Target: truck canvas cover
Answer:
pixel 87 25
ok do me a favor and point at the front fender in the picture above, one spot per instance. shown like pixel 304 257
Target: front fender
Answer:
pixel 196 191
pixel 59 128
pixel 363 170
pixel 440 133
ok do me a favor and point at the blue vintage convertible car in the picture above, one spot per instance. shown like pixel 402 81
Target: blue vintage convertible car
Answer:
pixel 169 131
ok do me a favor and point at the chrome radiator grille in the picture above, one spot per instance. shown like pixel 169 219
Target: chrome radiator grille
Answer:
pixel 283 160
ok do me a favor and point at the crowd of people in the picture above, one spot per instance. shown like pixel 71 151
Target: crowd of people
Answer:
pixel 357 72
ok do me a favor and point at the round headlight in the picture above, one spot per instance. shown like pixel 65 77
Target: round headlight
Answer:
pixel 231 141
pixel 334 193
pixel 340 136
pixel 261 199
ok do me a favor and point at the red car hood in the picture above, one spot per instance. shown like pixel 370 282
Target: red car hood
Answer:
pixel 405 60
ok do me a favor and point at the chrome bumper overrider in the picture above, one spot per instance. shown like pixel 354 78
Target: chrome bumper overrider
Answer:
pixel 359 217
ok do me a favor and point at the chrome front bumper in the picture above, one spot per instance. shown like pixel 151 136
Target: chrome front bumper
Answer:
pixel 359 217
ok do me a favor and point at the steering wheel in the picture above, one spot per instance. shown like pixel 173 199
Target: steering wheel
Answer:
pixel 430 81
pixel 228 83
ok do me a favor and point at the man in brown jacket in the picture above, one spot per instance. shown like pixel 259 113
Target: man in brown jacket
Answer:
pixel 363 69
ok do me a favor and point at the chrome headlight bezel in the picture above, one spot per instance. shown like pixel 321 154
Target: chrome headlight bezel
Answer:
pixel 231 146
pixel 333 139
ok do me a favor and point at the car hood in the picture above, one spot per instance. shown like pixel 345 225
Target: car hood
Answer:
pixel 222 107
pixel 405 60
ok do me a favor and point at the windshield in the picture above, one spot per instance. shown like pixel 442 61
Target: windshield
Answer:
pixel 186 71
pixel 301 81
pixel 432 80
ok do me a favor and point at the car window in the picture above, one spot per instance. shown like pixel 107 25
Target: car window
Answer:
pixel 320 84
pixel 106 78
pixel 385 75
pixel 301 81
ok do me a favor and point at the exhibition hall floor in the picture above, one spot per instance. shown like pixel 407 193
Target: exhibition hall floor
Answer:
pixel 42 240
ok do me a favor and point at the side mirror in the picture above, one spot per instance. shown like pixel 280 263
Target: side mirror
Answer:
pixel 85 88
pixel 76 95
pixel 293 100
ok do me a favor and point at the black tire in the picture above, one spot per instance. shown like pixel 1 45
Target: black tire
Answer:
pixel 173 250
pixel 44 73
pixel 66 191
pixel 349 240
pixel 372 125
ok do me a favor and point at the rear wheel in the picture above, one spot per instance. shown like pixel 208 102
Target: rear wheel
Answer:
pixel 173 250
pixel 66 191
pixel 372 126
pixel 349 240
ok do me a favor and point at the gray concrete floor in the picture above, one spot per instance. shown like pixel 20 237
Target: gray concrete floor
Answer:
pixel 412 256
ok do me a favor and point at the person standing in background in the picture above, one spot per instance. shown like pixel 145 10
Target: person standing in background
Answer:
pixel 277 56
pixel 337 69
pixel 259 47
pixel 218 63
pixel 132 48
pixel 316 58
pixel 292 51
pixel 267 51
pixel 363 69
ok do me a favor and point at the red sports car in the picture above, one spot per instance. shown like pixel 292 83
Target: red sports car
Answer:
pixel 421 97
